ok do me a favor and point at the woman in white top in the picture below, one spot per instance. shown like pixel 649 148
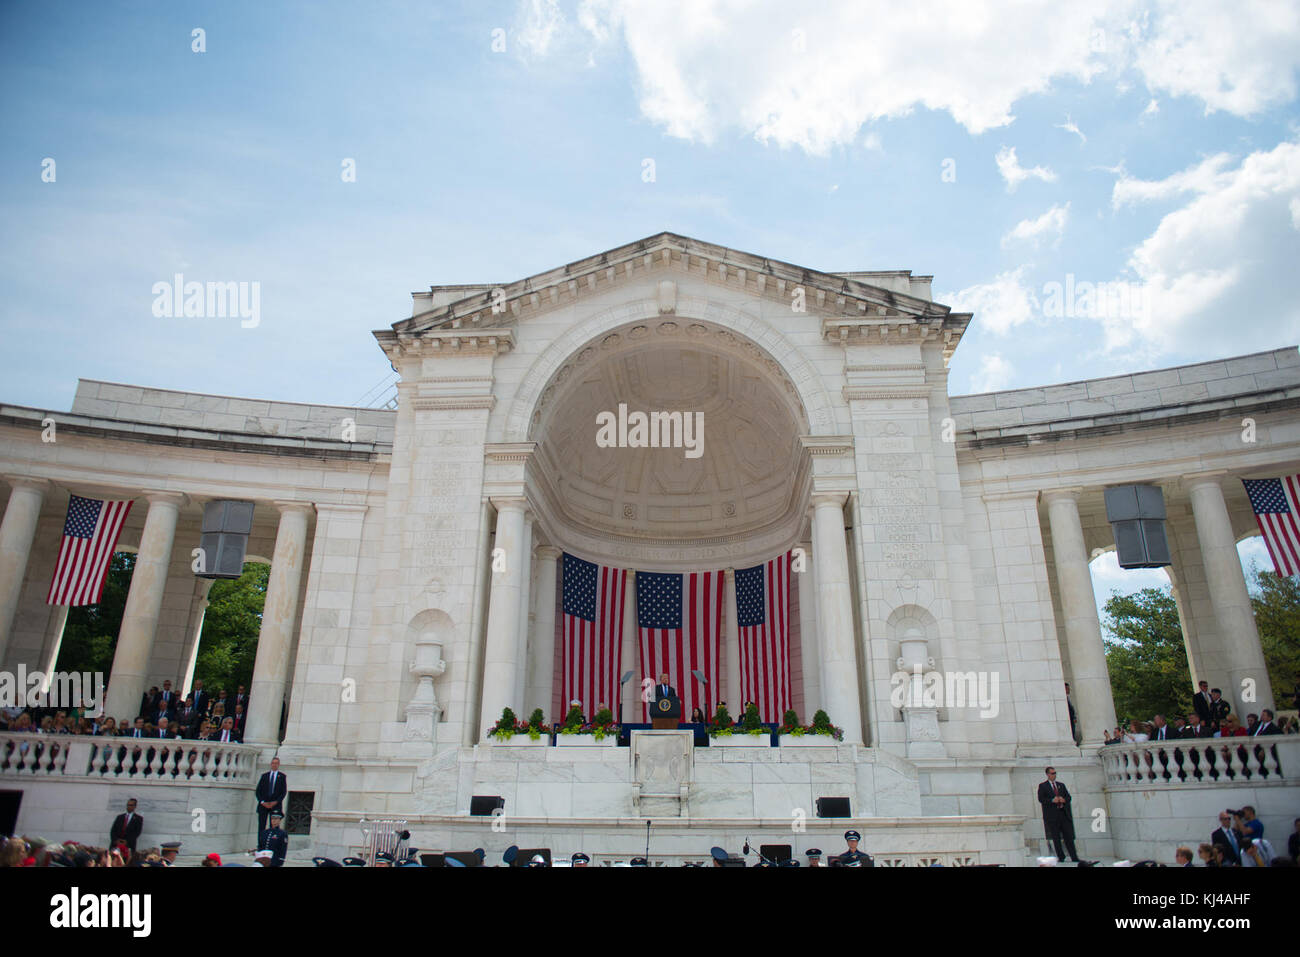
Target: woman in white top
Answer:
pixel 1136 733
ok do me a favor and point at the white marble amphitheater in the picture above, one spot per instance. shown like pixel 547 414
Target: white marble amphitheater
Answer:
pixel 952 533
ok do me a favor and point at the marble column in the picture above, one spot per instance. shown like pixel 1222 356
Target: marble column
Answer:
pixel 541 656
pixel 1238 638
pixel 735 704
pixel 275 640
pixel 809 649
pixel 501 646
pixel 143 602
pixel 1090 689
pixel 525 619
pixel 631 692
pixel 16 534
pixel 839 672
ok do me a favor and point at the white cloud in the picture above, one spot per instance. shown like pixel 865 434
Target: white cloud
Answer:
pixel 1200 178
pixel 871 142
pixel 1152 108
pixel 811 75
pixel 1071 127
pixel 1015 174
pixel 993 375
pixel 1051 223
pixel 1240 58
pixel 999 306
pixel 1219 273
pixel 537 22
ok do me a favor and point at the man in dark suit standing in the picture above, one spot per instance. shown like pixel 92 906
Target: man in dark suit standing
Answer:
pixel 126 827
pixel 1227 838
pixel 202 700
pixel 1058 823
pixel 271 791
pixel 240 697
pixel 1203 704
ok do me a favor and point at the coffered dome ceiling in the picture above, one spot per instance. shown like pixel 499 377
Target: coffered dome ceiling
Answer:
pixel 746 480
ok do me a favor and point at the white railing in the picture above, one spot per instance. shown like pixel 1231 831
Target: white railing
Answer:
pixel 1224 762
pixel 170 761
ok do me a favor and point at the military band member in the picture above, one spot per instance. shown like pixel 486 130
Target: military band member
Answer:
pixel 580 859
pixel 815 857
pixel 276 840
pixel 853 857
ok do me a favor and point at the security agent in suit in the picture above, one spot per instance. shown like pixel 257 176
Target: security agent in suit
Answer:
pixel 1058 823
pixel 1203 704
pixel 276 840
pixel 853 857
pixel 126 827
pixel 272 788
pixel 1224 836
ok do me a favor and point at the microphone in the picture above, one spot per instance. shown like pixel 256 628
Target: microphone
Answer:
pixel 647 843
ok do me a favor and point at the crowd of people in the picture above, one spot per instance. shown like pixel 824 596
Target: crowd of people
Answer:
pixel 163 713
pixel 1239 841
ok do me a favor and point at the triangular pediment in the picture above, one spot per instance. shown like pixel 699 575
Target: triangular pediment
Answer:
pixel 849 304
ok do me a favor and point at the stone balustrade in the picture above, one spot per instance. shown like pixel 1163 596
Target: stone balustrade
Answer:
pixel 167 761
pixel 1222 762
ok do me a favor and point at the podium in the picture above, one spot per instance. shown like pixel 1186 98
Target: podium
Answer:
pixel 666 713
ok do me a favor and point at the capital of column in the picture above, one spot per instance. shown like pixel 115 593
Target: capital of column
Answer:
pixel 547 553
pixel 509 504
pixel 1197 479
pixel 824 499
pixel 1070 494
pixel 158 497
pixel 16 482
pixel 289 508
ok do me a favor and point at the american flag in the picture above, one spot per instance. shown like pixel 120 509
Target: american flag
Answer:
pixel 593 629
pixel 679 620
pixel 763 620
pixel 89 538
pixel 1276 503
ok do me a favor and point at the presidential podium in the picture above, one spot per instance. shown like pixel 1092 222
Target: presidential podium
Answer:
pixel 666 713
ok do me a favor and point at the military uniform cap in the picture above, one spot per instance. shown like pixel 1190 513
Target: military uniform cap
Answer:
pixel 814 852
pixel 852 836
pixel 580 858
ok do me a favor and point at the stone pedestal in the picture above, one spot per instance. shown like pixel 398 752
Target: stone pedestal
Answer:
pixel 662 770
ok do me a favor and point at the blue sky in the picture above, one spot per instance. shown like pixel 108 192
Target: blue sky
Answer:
pixel 1147 145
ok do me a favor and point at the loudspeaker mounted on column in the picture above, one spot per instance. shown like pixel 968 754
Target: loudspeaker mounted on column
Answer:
pixel 1137 516
pixel 224 538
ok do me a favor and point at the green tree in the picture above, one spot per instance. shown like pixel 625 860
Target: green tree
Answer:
pixel 1146 656
pixel 90 634
pixel 228 644
pixel 1276 600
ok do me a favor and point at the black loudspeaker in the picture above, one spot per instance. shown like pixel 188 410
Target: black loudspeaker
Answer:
pixel 833 807
pixel 435 860
pixel 1137 517
pixel 224 539
pixel 776 852
pixel 468 858
pixel 482 805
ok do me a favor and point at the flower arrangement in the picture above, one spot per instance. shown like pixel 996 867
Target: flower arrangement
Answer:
pixel 822 725
pixel 721 725
pixel 790 724
pixel 750 722
pixel 508 726
pixel 599 727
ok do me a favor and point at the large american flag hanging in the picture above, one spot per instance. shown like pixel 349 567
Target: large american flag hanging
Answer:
pixel 1276 503
pixel 763 620
pixel 592 599
pixel 679 620
pixel 89 538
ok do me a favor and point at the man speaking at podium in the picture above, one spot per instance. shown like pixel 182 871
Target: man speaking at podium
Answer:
pixel 666 709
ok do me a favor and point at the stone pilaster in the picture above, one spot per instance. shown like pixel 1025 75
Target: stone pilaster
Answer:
pixel 541 654
pixel 500 652
pixel 16 534
pixel 839 676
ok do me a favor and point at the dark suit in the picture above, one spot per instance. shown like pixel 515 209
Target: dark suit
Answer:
pixel 1265 728
pixel 1204 731
pixel 1162 734
pixel 235 736
pixel 1231 854
pixel 202 702
pixel 1219 710
pixel 1203 705
pixel 266 791
pixel 121 830
pixel 1058 823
